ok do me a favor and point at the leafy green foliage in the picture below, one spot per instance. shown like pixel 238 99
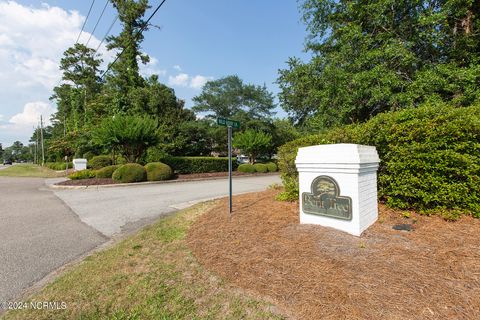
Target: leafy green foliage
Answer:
pixel 99 162
pixel 157 171
pixel 252 142
pixel 185 165
pixel 57 166
pixel 130 172
pixel 83 174
pixel 106 172
pixel 260 167
pixel 372 57
pixel 247 168
pixel 229 96
pixel 272 167
pixel 130 135
pixel 430 156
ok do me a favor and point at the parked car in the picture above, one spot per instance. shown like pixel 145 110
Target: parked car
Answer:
pixel 242 159
pixel 5 162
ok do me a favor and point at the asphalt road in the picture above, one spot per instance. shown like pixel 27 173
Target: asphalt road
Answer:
pixel 113 210
pixel 38 234
pixel 41 230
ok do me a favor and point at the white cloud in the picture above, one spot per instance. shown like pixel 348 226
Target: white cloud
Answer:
pixel 185 80
pixel 177 67
pixel 151 68
pixel 31 114
pixel 198 81
pixel 180 79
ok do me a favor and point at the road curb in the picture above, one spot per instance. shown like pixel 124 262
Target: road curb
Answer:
pixel 60 187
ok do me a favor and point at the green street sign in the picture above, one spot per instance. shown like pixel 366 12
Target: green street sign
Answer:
pixel 228 123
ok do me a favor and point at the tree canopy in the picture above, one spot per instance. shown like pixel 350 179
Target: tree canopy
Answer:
pixel 372 57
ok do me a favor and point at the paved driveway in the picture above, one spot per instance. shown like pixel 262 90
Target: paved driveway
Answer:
pixel 39 232
pixel 113 210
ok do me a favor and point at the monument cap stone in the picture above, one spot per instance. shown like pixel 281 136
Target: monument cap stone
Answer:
pixel 338 186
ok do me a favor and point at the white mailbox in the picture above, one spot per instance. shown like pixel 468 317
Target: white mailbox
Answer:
pixel 79 164
pixel 338 186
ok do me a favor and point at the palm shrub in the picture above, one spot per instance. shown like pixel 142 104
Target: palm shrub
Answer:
pixel 129 135
pixel 157 171
pixel 130 172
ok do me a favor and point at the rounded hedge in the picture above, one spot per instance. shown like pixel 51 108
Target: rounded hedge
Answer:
pixel 130 172
pixel 430 157
pixel 272 167
pixel 107 172
pixel 260 167
pixel 246 167
pixel 99 162
pixel 157 171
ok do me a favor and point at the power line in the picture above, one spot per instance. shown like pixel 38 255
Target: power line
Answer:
pixel 98 21
pixel 106 34
pixel 136 35
pixel 84 22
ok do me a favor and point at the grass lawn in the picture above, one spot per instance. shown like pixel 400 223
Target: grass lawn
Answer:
pixel 150 275
pixel 30 170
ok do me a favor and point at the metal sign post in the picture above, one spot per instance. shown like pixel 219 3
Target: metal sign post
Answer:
pixel 229 124
pixel 229 128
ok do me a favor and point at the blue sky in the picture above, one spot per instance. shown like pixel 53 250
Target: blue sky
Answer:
pixel 197 41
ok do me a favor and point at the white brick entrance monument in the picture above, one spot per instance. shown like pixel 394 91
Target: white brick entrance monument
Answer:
pixel 338 186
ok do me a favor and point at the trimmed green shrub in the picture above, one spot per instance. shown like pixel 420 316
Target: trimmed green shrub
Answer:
pixel 58 165
pixel 260 167
pixel 107 172
pixel 83 174
pixel 430 157
pixel 157 171
pixel 187 165
pixel 246 167
pixel 99 162
pixel 88 155
pixel 130 172
pixel 272 167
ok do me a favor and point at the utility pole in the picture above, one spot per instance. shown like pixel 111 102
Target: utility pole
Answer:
pixel 41 138
pixel 35 148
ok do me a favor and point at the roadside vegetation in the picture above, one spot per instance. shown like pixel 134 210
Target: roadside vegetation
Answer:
pixel 151 275
pixel 30 170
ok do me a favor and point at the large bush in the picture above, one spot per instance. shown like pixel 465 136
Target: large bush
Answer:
pixel 99 162
pixel 198 164
pixel 272 167
pixel 246 167
pixel 130 172
pixel 157 171
pixel 260 167
pixel 430 156
pixel 107 172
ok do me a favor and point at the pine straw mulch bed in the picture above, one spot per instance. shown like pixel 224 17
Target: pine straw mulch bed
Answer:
pixel 183 177
pixel 313 272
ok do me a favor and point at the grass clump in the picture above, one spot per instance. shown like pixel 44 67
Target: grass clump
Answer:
pixel 150 275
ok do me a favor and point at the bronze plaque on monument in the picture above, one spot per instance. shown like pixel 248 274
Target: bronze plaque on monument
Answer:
pixel 325 199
